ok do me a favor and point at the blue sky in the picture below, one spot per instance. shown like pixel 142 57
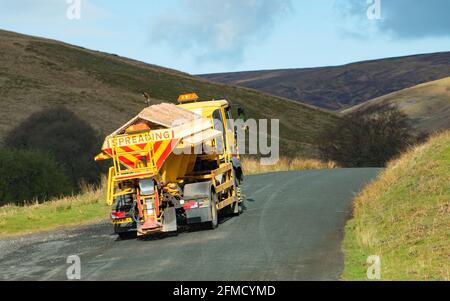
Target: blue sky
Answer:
pixel 206 36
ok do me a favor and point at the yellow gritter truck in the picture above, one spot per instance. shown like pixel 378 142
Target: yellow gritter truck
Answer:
pixel 173 165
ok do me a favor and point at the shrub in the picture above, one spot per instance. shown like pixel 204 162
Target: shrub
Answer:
pixel 27 176
pixel 71 141
pixel 367 139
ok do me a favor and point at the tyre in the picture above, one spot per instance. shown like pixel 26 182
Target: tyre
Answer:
pixel 214 223
pixel 234 209
pixel 240 209
pixel 237 208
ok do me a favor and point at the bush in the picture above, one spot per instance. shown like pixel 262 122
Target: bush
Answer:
pixel 26 176
pixel 367 139
pixel 72 142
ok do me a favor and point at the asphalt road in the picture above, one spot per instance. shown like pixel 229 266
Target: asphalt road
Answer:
pixel 292 229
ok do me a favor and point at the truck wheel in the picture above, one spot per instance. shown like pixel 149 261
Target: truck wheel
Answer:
pixel 214 223
pixel 240 208
pixel 236 208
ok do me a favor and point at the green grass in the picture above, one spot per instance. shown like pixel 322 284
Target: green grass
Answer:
pixel 85 208
pixel 404 218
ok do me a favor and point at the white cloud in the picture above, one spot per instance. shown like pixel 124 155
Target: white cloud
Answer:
pixel 219 30
pixel 404 19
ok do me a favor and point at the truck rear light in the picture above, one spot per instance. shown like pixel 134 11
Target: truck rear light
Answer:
pixel 190 205
pixel 118 215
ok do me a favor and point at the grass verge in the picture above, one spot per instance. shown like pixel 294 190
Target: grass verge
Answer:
pixel 85 208
pixel 404 218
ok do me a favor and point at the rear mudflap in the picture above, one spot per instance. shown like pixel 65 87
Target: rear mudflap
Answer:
pixel 168 223
pixel 169 220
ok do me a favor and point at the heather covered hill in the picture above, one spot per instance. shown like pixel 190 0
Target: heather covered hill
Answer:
pixel 341 87
pixel 105 90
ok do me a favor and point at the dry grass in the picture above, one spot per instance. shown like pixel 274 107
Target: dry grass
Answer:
pixel 404 217
pixel 253 166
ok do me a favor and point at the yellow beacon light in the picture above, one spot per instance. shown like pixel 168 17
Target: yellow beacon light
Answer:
pixel 190 97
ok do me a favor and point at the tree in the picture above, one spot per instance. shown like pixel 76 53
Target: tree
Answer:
pixel 71 141
pixel 26 176
pixel 369 138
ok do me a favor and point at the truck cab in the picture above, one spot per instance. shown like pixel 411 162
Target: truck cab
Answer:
pixel 219 111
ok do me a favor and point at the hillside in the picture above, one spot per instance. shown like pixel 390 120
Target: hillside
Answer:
pixel 404 218
pixel 106 89
pixel 341 87
pixel 428 104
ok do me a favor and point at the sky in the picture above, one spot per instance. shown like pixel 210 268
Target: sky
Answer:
pixel 208 36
